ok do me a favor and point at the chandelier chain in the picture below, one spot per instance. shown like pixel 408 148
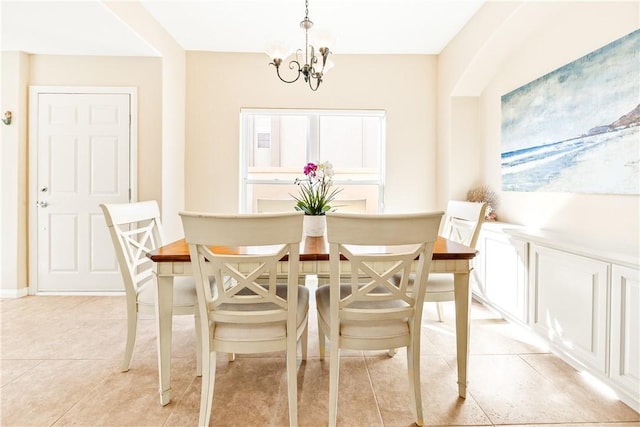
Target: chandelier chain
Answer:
pixel 306 33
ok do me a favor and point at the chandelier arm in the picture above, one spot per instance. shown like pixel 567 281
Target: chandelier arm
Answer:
pixel 318 81
pixel 291 67
pixel 317 75
pixel 314 58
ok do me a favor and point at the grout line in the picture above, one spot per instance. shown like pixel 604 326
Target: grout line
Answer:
pixel 373 390
pixel 87 393
pixel 179 401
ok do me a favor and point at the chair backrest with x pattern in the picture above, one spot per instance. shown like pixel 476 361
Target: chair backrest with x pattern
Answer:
pixel 374 251
pixel 262 241
pixel 136 230
pixel 463 221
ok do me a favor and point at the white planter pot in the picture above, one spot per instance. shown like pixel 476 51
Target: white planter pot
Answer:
pixel 315 225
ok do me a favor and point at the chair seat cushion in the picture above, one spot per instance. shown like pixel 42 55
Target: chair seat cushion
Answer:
pixel 362 329
pixel 437 282
pixel 440 282
pixel 184 292
pixel 261 331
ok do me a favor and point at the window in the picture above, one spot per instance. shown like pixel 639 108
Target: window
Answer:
pixel 276 144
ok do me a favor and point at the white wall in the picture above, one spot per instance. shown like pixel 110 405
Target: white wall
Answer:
pixel 571 30
pixel 220 84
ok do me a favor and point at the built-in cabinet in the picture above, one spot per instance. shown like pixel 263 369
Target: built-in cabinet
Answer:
pixel 584 303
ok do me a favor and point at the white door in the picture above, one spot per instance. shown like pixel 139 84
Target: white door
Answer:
pixel 83 148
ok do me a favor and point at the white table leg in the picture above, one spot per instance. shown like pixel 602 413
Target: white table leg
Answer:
pixel 164 319
pixel 463 305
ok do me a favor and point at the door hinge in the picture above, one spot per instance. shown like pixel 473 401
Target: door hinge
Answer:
pixel 129 195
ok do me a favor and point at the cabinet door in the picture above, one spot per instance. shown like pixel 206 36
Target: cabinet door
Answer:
pixel 625 328
pixel 503 266
pixel 571 303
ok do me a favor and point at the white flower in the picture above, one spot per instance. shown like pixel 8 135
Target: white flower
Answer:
pixel 326 168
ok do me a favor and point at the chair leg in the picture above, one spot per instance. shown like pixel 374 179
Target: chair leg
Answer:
pixel 440 311
pixel 198 344
pixel 292 379
pixel 304 340
pixel 132 327
pixel 334 376
pixel 208 383
pixel 321 340
pixel 413 363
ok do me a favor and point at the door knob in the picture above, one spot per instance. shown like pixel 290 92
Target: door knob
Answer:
pixel 42 204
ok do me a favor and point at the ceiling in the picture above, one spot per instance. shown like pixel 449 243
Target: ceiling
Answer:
pixel 88 27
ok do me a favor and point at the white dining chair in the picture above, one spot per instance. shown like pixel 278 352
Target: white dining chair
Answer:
pixel 244 314
pixel 136 230
pixel 462 223
pixel 377 313
pixel 289 205
pixel 349 205
pixel 275 205
pixel 342 206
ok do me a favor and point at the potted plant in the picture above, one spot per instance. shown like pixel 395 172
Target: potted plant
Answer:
pixel 315 196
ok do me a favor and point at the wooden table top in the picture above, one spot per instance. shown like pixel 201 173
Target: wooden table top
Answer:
pixel 311 249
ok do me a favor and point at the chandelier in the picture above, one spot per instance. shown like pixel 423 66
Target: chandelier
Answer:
pixel 309 70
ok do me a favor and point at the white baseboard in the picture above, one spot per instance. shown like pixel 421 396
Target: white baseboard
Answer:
pixel 79 293
pixel 23 292
pixel 14 293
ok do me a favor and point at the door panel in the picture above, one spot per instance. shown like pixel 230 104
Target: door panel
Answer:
pixel 83 146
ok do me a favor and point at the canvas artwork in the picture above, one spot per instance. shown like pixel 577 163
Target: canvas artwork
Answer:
pixel 577 129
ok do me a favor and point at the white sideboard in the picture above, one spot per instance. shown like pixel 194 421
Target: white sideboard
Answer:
pixel 583 301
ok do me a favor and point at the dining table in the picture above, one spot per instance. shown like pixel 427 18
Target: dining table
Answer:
pixel 173 259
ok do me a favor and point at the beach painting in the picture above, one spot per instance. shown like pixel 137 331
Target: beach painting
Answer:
pixel 577 129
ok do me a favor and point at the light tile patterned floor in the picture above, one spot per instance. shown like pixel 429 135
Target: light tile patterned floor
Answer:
pixel 60 358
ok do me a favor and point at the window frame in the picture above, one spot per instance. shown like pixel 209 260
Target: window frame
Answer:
pixel 312 148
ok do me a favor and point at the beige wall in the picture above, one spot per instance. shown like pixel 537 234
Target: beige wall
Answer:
pixel 570 31
pixel 506 45
pixel 171 145
pixel 13 176
pixel 220 84
pixel 19 70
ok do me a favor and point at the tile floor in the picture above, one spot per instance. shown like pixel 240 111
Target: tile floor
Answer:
pixel 60 358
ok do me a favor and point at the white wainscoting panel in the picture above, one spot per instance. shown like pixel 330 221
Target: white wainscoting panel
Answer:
pixel 571 303
pixel 502 262
pixel 625 328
